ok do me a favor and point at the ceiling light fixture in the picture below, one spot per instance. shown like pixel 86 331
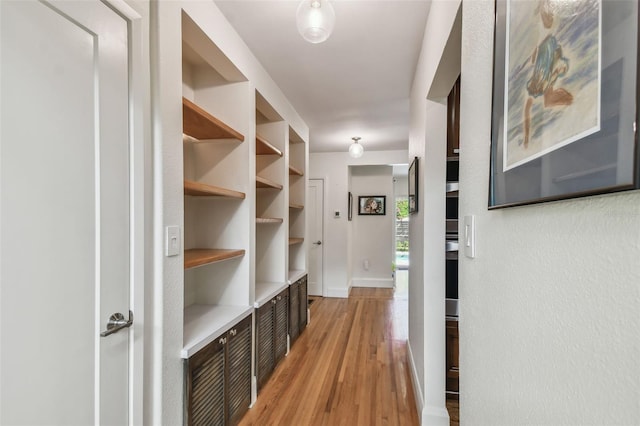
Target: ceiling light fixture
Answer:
pixel 315 20
pixel 355 149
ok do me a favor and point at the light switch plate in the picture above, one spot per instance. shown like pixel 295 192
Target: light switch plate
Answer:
pixel 469 236
pixel 172 243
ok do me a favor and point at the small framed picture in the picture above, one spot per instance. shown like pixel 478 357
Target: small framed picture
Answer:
pixel 372 205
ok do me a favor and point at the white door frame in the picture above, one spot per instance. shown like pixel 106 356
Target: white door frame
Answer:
pixel 136 14
pixel 322 213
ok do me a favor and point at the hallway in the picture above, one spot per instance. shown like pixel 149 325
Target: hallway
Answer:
pixel 349 367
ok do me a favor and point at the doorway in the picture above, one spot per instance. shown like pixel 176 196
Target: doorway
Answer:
pixel 315 212
pixel 71 199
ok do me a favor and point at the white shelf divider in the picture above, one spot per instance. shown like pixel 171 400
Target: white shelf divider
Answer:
pixel 204 323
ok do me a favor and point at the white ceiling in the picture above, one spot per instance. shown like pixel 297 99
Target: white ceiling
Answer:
pixel 357 82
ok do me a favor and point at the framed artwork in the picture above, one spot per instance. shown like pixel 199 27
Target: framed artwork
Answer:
pixel 350 207
pixel 413 186
pixel 372 205
pixel 564 100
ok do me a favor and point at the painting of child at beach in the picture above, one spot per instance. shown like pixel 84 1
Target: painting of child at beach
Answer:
pixel 553 76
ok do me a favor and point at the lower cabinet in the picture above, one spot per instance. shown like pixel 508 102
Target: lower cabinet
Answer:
pixel 453 371
pixel 218 379
pixel 297 308
pixel 271 335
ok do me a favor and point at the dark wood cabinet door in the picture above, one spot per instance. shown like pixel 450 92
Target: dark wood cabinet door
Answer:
pixel 281 325
pixel 238 383
pixel 453 120
pixel 205 385
pixel 294 311
pixel 265 362
pixel 452 348
pixel 303 303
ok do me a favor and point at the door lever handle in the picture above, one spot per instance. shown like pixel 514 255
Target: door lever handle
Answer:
pixel 116 323
pixel 318 243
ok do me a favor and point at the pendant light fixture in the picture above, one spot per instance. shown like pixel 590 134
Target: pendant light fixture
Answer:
pixel 315 20
pixel 355 149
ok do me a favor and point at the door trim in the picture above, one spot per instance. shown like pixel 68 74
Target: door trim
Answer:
pixel 324 197
pixel 141 214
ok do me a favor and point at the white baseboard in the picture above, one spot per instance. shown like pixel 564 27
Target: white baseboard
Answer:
pixel 373 282
pixel 428 415
pixel 339 292
pixel 417 391
pixel 435 416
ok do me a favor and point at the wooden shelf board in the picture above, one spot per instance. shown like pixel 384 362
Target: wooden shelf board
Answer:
pixel 263 147
pixel 266 183
pixel 203 190
pixel 296 206
pixel 265 291
pixel 293 241
pixel 204 323
pixel 199 124
pixel 295 172
pixel 269 220
pixel 199 257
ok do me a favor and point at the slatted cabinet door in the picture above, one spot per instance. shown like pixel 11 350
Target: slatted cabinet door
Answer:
pixel 264 345
pixel 303 303
pixel 239 371
pixel 218 384
pixel 294 311
pixel 281 325
pixel 205 390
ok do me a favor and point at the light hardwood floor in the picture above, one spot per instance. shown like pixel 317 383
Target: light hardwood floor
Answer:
pixel 349 367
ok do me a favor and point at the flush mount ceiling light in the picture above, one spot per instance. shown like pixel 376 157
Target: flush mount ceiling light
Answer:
pixel 355 149
pixel 315 19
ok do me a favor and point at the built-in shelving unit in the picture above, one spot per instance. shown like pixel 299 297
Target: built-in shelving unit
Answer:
pixel 451 242
pixel 244 188
pixel 217 180
pixel 298 160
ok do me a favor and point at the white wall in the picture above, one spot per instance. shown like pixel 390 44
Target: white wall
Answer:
pixel 427 141
pixel 333 167
pixel 550 307
pixel 372 235
pixel 400 186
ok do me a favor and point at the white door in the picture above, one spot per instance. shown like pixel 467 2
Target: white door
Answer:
pixel 65 213
pixel 315 212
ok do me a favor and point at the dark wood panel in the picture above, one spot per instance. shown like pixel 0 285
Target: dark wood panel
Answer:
pixel 453 120
pixel 238 397
pixel 265 362
pixel 294 312
pixel 452 350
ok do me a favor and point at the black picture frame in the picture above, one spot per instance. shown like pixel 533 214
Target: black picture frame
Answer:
pixel 350 207
pixel 413 185
pixel 604 161
pixel 372 205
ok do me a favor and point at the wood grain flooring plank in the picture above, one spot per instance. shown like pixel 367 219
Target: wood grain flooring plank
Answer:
pixel 349 367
